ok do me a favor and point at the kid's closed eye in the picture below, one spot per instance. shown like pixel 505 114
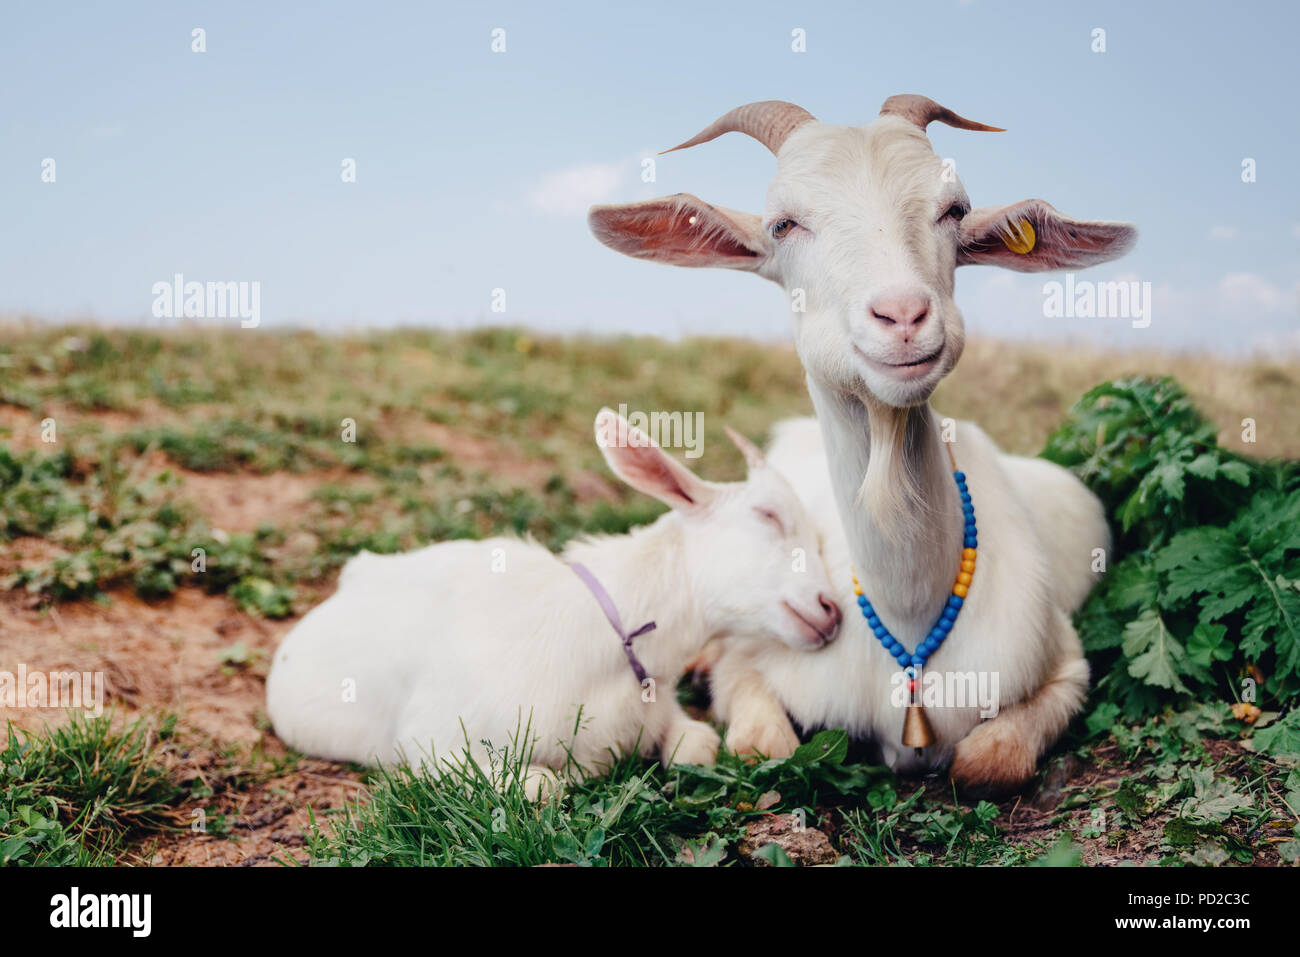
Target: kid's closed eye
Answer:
pixel 768 515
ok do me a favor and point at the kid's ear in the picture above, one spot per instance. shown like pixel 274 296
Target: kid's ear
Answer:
pixel 683 230
pixel 646 467
pixel 1031 236
pixel 753 454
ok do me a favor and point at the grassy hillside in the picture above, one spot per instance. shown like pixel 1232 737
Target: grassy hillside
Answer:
pixel 279 455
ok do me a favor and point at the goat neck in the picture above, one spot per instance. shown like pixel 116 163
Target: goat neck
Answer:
pixel 645 576
pixel 898 504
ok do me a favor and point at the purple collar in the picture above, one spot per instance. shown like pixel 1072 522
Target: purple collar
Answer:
pixel 607 606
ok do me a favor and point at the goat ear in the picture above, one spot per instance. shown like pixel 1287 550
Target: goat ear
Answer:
pixel 646 467
pixel 1031 236
pixel 753 455
pixel 683 230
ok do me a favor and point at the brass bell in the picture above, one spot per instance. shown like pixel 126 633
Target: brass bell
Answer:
pixel 917 732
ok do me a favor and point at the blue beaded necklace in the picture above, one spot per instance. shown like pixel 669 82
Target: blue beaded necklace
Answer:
pixel 916 729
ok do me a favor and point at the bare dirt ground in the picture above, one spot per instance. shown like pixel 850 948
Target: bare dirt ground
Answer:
pixel 248 501
pixel 200 657
pixel 477 453
pixel 173 656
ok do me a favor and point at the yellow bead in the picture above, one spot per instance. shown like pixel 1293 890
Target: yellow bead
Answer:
pixel 857 589
pixel 963 578
pixel 968 554
pixel 968 565
pixel 959 590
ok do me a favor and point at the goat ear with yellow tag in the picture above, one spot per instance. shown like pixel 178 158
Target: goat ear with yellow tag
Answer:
pixel 1031 236
pixel 1019 237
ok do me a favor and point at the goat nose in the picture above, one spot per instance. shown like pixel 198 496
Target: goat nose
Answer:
pixel 902 311
pixel 832 610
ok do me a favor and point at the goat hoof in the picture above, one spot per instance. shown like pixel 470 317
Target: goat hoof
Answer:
pixel 992 761
pixel 697 744
pixel 542 784
pixel 767 740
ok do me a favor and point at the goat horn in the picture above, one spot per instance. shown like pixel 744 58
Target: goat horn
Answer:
pixel 768 121
pixel 923 111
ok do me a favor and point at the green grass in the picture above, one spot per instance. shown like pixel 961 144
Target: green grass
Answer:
pixel 631 813
pixel 1180 799
pixel 74 794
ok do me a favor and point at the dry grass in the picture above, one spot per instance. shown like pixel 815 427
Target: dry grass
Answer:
pixel 1019 393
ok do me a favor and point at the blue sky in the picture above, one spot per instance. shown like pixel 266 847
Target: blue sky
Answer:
pixel 474 169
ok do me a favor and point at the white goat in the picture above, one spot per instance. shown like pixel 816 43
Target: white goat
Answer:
pixel 432 652
pixel 864 227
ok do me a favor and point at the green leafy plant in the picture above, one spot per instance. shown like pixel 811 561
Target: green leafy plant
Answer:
pixel 112 527
pixel 1207 584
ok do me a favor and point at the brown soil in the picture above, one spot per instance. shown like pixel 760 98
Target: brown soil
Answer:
pixel 21 428
pixel 474 453
pixel 155 656
pixel 804 845
pixel 260 824
pixel 197 656
pixel 174 656
pixel 241 502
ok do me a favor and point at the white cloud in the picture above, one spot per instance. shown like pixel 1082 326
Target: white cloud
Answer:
pixel 1223 232
pixel 568 192
pixel 1246 288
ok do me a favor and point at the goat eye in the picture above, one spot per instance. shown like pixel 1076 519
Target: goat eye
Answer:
pixel 781 227
pixel 771 516
pixel 956 212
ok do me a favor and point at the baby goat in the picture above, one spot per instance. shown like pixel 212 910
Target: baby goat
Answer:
pixel 442 650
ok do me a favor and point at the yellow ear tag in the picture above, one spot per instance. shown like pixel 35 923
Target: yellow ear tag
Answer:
pixel 1020 238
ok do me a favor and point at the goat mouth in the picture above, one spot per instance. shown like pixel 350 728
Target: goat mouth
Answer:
pixel 817 636
pixel 924 361
pixel 907 370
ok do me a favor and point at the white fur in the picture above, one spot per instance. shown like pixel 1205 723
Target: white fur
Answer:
pixel 872 228
pixel 432 653
pixel 849 685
